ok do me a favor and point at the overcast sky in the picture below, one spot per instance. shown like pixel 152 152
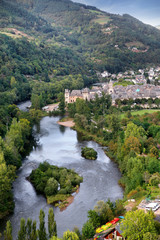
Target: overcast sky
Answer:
pixel 148 11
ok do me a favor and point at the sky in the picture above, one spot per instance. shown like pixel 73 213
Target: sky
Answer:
pixel 148 11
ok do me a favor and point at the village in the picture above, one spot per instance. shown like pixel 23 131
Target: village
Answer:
pixel 143 84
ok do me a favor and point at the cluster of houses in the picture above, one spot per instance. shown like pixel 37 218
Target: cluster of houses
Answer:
pixel 142 76
pixel 117 92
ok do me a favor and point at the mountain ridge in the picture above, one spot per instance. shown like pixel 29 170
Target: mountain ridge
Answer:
pixel 67 40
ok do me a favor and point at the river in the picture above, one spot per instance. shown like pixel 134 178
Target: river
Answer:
pixel 61 146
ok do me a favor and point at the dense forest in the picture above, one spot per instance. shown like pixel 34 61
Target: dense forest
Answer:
pixel 133 141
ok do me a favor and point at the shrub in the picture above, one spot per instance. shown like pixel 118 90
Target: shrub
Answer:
pixel 89 153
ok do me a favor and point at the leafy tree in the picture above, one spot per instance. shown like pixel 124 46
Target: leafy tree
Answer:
pixel 51 187
pixel 154 179
pixel 134 131
pixel 89 153
pixel 132 144
pixel 137 224
pixel 94 218
pixel 68 235
pixel 104 211
pixel 88 230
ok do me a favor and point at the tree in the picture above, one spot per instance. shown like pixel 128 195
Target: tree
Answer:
pixel 22 231
pixel 137 224
pixel 55 238
pixel 52 228
pixel 68 235
pixel 34 233
pixel 154 152
pixel 52 187
pixel 134 131
pixel 42 230
pixel 28 229
pixel 114 123
pixel 88 230
pixel 62 103
pixel 131 144
pixel 8 231
pixel 94 218
pixel 104 212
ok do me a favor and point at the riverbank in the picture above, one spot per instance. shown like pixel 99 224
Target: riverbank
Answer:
pixel 67 122
pixel 62 147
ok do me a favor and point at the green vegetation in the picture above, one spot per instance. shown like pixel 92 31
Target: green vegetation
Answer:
pixel 123 83
pixel 139 225
pixel 103 212
pixel 140 112
pixel 16 127
pixel 56 183
pixel 101 19
pixel 89 153
pixel 133 141
pixel 47 46
pixel 28 229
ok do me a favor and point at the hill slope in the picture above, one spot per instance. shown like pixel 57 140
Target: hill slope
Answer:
pixel 96 33
pixel 51 41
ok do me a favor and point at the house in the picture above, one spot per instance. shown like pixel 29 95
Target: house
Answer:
pixel 114 234
pixel 71 96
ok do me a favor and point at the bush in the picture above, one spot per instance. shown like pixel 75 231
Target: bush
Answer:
pixel 89 153
pixel 52 187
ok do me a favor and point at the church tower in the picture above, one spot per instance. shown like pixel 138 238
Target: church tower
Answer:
pixel 86 94
pixel 67 95
pixel 110 87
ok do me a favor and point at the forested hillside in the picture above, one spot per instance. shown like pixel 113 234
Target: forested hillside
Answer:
pixel 112 42
pixel 106 40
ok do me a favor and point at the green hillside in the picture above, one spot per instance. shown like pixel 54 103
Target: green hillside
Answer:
pixel 57 44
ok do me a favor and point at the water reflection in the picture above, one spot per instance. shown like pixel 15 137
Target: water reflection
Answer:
pixel 62 129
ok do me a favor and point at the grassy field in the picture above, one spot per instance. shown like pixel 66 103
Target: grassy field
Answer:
pixel 101 20
pixel 10 35
pixel 140 112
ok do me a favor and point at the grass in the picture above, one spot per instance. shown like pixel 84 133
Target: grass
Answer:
pixel 57 198
pixel 135 44
pixel 94 11
pixel 123 83
pixel 11 35
pixel 101 20
pixel 140 112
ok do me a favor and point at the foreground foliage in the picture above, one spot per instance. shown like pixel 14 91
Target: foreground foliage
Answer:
pixel 139 225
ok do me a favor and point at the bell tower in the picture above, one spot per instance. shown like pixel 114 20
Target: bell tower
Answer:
pixel 67 95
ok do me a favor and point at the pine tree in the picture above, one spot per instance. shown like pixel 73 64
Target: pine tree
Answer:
pixel 52 228
pixel 34 233
pixel 28 229
pixel 42 230
pixel 22 231
pixel 8 231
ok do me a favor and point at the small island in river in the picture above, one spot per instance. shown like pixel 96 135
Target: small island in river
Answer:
pixel 56 183
pixel 89 153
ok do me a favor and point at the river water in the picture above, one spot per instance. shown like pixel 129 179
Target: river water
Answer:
pixel 61 146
